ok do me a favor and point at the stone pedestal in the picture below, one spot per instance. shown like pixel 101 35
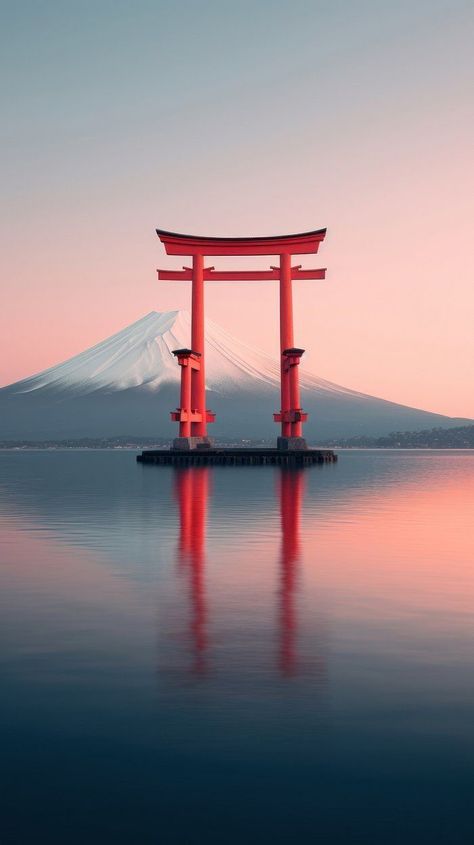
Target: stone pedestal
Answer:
pixel 291 444
pixel 185 444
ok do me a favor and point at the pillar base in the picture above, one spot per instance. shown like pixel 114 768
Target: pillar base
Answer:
pixel 185 444
pixel 291 444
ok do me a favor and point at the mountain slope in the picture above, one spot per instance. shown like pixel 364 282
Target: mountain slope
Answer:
pixel 128 383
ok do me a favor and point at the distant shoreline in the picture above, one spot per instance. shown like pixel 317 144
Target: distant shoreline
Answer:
pixel 434 439
pixel 139 448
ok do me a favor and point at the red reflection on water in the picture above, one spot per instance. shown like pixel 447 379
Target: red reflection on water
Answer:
pixel 291 489
pixel 192 492
pixel 192 486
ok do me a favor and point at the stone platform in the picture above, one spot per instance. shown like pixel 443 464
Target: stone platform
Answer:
pixel 236 457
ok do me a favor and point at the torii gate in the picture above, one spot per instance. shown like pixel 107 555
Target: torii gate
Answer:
pixel 192 414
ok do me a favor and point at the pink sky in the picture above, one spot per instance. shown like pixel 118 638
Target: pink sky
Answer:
pixel 366 130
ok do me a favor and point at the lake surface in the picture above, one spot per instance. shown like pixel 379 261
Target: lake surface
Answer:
pixel 237 655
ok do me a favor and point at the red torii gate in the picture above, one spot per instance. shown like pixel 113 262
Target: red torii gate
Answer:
pixel 192 414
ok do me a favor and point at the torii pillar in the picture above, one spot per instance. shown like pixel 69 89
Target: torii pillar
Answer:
pixel 291 414
pixel 192 414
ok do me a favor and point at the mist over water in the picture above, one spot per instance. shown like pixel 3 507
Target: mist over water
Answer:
pixel 237 654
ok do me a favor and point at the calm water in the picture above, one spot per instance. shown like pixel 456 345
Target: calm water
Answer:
pixel 237 655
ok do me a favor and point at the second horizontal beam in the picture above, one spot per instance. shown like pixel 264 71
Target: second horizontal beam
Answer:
pixel 211 275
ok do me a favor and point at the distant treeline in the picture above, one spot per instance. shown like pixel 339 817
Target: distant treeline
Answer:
pixel 128 441
pixel 124 442
pixel 461 437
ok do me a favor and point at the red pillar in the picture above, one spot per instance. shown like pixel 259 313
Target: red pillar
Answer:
pixel 296 426
pixel 189 363
pixel 286 336
pixel 185 401
pixel 198 387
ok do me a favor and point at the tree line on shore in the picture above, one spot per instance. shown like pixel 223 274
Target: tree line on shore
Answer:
pixel 459 437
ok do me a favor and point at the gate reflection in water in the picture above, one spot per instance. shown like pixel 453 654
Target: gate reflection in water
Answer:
pixel 193 487
pixel 291 493
pixel 192 492
pixel 237 654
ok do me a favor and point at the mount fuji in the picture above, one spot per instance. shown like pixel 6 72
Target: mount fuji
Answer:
pixel 128 383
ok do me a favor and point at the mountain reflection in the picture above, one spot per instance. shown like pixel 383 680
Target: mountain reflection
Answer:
pixel 192 489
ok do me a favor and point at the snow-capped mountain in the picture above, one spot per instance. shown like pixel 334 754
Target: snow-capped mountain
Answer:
pixel 141 356
pixel 128 383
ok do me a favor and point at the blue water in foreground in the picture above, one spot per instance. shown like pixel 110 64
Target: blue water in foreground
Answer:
pixel 237 655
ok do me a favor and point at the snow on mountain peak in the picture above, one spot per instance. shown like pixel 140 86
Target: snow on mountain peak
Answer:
pixel 140 355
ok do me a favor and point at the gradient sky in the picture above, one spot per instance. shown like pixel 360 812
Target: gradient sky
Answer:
pixel 244 118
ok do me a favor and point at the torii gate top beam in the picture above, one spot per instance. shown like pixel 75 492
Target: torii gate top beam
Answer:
pixel 297 244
